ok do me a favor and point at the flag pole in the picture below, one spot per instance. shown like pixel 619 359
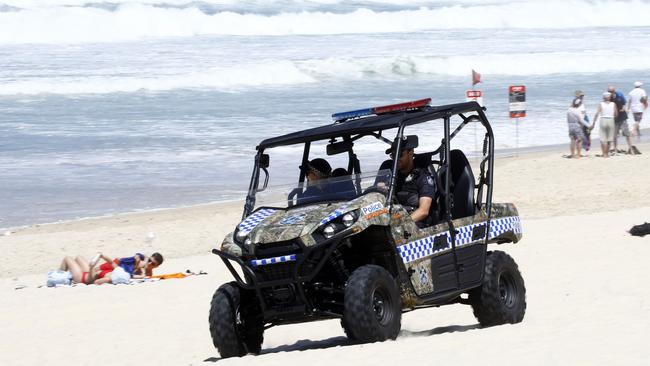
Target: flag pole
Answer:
pixel 476 151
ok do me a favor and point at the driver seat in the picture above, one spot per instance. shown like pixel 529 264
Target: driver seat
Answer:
pixel 462 185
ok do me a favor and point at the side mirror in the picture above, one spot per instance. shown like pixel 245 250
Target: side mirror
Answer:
pixel 339 147
pixel 264 161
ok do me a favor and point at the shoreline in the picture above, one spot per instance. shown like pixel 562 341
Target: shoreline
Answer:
pixel 13 229
pixel 499 153
pixel 540 183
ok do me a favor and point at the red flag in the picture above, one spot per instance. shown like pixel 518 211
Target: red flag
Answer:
pixel 476 77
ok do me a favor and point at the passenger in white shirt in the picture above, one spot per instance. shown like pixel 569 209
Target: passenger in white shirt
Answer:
pixel 637 104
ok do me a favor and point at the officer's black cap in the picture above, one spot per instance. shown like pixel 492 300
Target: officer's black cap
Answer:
pixel 319 165
pixel 408 142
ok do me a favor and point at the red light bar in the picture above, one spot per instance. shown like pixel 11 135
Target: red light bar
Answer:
pixel 402 106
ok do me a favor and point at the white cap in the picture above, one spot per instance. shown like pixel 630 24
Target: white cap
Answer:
pixel 607 95
pixel 637 84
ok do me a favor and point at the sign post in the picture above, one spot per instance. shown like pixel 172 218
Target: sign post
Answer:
pixel 517 106
pixel 474 96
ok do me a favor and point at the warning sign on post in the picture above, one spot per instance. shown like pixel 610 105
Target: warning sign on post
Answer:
pixel 517 101
pixel 474 96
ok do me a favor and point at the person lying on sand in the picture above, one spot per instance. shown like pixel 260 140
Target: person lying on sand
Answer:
pixel 86 272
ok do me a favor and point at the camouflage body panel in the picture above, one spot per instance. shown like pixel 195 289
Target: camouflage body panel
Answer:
pixel 416 247
pixel 228 245
pixel 301 222
pixel 504 210
pixel 411 242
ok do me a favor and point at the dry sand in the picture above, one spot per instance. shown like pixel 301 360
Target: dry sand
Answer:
pixel 588 298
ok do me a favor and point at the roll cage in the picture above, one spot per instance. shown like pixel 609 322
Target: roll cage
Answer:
pixel 353 129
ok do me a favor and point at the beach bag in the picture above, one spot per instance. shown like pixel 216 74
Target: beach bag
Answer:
pixel 119 275
pixel 640 230
pixel 58 277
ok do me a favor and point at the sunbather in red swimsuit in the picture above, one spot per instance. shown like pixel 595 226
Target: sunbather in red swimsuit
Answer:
pixel 104 269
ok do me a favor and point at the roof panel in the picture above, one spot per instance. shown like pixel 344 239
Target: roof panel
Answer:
pixel 368 124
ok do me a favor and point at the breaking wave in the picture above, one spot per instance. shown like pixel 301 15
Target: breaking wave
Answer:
pixel 219 78
pixel 287 73
pixel 75 21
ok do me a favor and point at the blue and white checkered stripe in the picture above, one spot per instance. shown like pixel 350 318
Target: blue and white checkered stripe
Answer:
pixel 337 213
pixel 253 220
pixel 274 260
pixel 505 224
pixel 464 235
pixel 424 247
pixel 421 248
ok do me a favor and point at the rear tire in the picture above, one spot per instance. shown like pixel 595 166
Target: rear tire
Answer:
pixel 501 298
pixel 372 305
pixel 235 325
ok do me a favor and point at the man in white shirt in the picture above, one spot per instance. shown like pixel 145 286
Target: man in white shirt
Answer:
pixel 637 104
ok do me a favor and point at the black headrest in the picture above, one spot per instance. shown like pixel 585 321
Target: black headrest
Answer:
pixel 422 160
pixel 387 164
pixel 458 162
pixel 339 172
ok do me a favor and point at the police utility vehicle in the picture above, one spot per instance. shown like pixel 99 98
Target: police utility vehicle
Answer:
pixel 352 251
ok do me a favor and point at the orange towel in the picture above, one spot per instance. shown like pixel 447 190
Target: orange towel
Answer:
pixel 170 275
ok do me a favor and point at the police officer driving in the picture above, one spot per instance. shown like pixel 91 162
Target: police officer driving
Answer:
pixel 415 188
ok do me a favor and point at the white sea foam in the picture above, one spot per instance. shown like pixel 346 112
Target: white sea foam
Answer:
pixel 287 73
pixel 132 21
pixel 529 63
pixel 220 78
pixel 252 3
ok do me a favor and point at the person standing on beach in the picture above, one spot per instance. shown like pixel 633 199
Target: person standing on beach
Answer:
pixel 637 104
pixel 586 143
pixel 620 122
pixel 607 112
pixel 576 123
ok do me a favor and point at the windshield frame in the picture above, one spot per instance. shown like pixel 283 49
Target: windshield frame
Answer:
pixel 407 119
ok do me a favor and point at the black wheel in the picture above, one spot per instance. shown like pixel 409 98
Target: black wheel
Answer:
pixel 501 298
pixel 235 325
pixel 372 305
pixel 347 331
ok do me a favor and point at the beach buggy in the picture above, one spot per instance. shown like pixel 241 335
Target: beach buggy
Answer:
pixel 352 251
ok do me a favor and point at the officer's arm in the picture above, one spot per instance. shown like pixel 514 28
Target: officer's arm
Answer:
pixel 422 211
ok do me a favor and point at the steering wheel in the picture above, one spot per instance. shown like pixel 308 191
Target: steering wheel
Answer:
pixel 375 189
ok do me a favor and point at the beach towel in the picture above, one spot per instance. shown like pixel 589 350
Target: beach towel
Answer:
pixel 178 275
pixel 170 275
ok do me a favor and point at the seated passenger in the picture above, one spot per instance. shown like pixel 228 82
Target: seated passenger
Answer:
pixel 317 170
pixel 415 188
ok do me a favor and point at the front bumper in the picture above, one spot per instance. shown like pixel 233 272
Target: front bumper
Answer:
pixel 280 282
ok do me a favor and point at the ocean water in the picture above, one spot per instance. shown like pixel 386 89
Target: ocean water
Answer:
pixel 122 105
